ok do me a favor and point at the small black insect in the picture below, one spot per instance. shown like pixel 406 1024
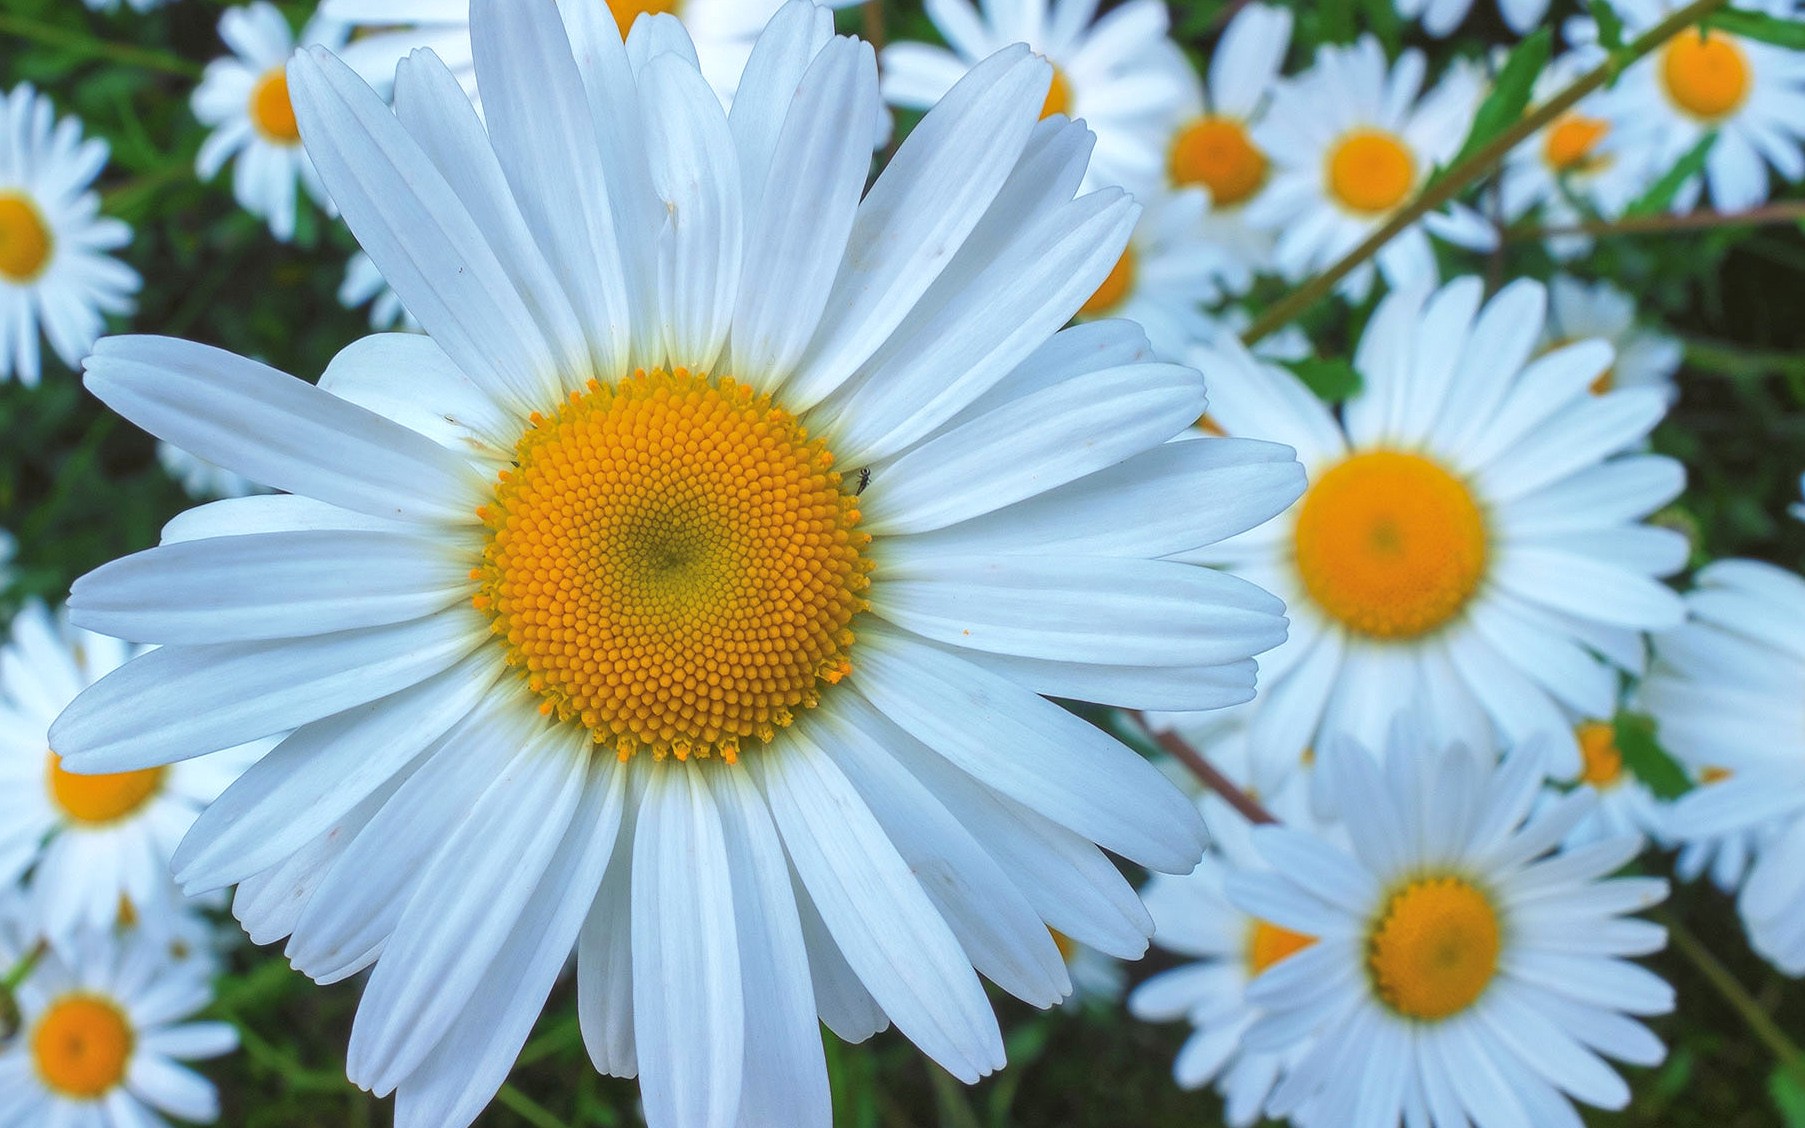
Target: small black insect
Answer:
pixel 864 473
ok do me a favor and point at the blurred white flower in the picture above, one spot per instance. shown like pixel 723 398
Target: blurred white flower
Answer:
pixel 1579 311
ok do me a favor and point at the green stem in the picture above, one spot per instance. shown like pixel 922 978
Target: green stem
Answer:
pixel 1783 211
pixel 1456 179
pixel 54 36
pixel 23 969
pixel 1760 1023
pixel 527 1109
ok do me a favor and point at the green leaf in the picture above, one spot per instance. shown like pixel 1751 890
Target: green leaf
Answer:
pixel 1331 378
pixel 1761 26
pixel 1510 93
pixel 1660 195
pixel 1643 755
pixel 1788 1094
pixel 1610 26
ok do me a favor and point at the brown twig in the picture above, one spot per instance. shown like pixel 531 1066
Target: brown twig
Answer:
pixel 1785 211
pixel 1208 773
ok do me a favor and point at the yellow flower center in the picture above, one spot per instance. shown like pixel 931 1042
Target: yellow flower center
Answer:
pixel 95 800
pixel 1711 773
pixel 25 241
pixel 1706 74
pixel 1434 949
pixel 82 1047
pixel 1067 946
pixel 672 562
pixel 1602 763
pixel 1115 288
pixel 1390 544
pixel 272 114
pixel 1269 943
pixel 1570 143
pixel 626 11
pixel 1217 153
pixel 1059 96
pixel 1370 171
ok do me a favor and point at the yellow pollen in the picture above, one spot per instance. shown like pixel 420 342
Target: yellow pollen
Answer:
pixel 673 564
pixel 1059 96
pixel 1370 171
pixel 1392 545
pixel 1571 143
pixel 1269 943
pixel 95 800
pixel 272 113
pixel 1434 949
pixel 1603 763
pixel 82 1047
pixel 1216 153
pixel 1706 74
pixel 1115 288
pixel 25 241
pixel 1711 773
pixel 626 11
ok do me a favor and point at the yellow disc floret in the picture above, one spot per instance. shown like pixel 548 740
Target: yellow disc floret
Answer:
pixel 1059 96
pixel 1217 153
pixel 1602 762
pixel 1434 948
pixel 1390 544
pixel 673 564
pixel 626 11
pixel 1370 171
pixel 95 800
pixel 1115 288
pixel 272 113
pixel 1705 73
pixel 25 240
pixel 1269 943
pixel 1571 144
pixel 82 1047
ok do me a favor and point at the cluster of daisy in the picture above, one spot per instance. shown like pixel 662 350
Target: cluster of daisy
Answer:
pixel 687 588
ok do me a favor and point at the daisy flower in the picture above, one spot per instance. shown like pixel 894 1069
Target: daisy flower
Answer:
pixel 1579 311
pixel 1724 695
pixel 685 595
pixel 1169 272
pixel 55 273
pixel 365 285
pixel 1750 94
pixel 1470 543
pixel 1578 159
pixel 90 847
pixel 1440 17
pixel 244 98
pixel 1460 973
pixel 106 1027
pixel 720 34
pixel 1121 73
pixel 1351 141
pixel 1213 147
pixel 1624 804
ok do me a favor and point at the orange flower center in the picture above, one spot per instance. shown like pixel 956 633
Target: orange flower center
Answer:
pixel 1059 96
pixel 1269 943
pixel 25 241
pixel 96 800
pixel 1217 153
pixel 272 114
pixel 1370 171
pixel 1570 143
pixel 1706 74
pixel 1115 288
pixel 1434 949
pixel 82 1047
pixel 1602 763
pixel 626 11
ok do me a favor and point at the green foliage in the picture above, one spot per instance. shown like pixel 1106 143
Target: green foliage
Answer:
pixel 1759 25
pixel 1510 93
pixel 1662 192
pixel 1646 759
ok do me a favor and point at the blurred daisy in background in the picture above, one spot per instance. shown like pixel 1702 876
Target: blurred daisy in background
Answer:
pixel 1575 167
pixel 365 285
pixel 1351 141
pixel 1724 692
pixel 201 479
pixel 1644 357
pixel 1624 805
pixel 1470 542
pixel 1440 17
pixel 90 848
pixel 1167 277
pixel 107 1025
pixel 115 5
pixel 1213 147
pixel 704 435
pixel 1458 971
pixel 244 99
pixel 56 275
pixel 1121 73
pixel 1749 93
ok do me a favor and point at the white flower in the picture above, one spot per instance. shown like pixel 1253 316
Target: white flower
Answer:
pixel 364 284
pixel 1351 142
pixel 1724 693
pixel 1469 544
pixel 55 273
pixel 1624 805
pixel 1441 17
pixel 685 596
pixel 1169 272
pixel 90 847
pixel 114 5
pixel 1213 147
pixel 1120 73
pixel 106 1026
pixel 1579 311
pixel 1750 93
pixel 244 98
pixel 201 479
pixel 1578 159
pixel 1460 972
